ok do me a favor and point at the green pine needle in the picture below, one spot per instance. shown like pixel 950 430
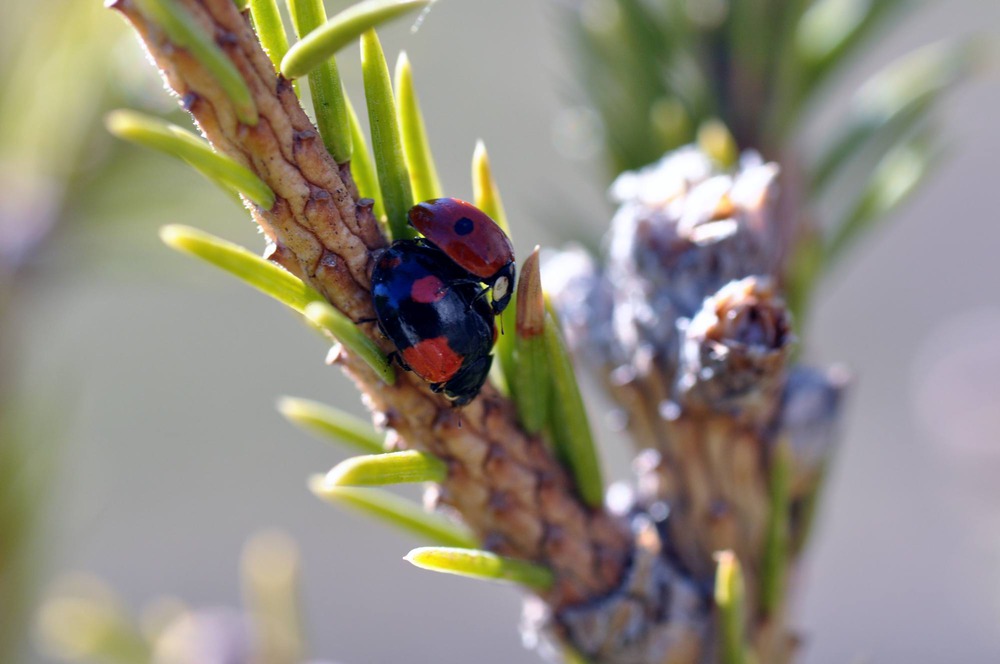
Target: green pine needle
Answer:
pixel 485 193
pixel 393 178
pixel 805 267
pixel 388 468
pixel 329 102
pixel 258 272
pixel 183 30
pixel 397 512
pixel 570 427
pixel 333 424
pixel 486 197
pixel 482 565
pixel 327 39
pixel 729 599
pixel 895 178
pixel 773 565
pixel 160 135
pixel 346 332
pixel 362 168
pixel 892 103
pixel 531 385
pixel 831 31
pixel 416 148
pixel 270 29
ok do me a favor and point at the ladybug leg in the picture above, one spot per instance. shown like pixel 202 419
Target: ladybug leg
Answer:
pixel 396 357
pixel 481 294
pixel 438 388
pixel 478 296
pixel 369 320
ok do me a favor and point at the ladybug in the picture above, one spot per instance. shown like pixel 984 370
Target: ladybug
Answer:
pixel 430 309
pixel 472 240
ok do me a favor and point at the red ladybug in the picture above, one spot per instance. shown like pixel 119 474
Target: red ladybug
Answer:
pixel 429 308
pixel 472 240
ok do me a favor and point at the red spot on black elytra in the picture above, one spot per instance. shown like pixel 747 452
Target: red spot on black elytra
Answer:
pixel 428 290
pixel 433 359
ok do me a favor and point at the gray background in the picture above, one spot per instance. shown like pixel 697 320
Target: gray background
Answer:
pixel 174 453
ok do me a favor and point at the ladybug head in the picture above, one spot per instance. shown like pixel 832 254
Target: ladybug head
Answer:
pixel 502 284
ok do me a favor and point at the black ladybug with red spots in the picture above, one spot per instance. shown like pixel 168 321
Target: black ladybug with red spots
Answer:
pixel 429 298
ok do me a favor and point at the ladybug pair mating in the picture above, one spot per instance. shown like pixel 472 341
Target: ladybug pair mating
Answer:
pixel 429 297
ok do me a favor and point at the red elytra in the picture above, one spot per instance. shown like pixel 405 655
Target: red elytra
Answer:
pixel 465 233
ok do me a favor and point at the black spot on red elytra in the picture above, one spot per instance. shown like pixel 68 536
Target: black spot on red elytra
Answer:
pixel 464 226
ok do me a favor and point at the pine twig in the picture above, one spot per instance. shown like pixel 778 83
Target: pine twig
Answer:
pixel 508 488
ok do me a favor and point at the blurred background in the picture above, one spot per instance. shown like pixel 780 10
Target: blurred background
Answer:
pixel 141 385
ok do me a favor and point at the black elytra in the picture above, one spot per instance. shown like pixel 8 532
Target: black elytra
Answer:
pixel 433 313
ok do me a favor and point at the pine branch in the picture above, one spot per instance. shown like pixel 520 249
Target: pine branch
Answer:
pixel 507 486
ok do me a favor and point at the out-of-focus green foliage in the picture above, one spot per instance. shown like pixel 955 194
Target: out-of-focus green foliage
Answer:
pixel 83 621
pixel 42 147
pixel 729 603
